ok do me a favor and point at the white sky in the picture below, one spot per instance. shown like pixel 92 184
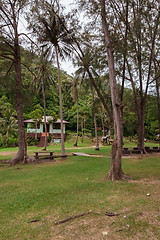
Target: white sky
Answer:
pixel 67 65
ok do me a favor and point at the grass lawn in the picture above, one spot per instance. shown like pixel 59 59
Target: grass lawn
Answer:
pixel 51 191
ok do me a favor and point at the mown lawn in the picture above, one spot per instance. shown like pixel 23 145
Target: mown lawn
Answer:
pixel 50 191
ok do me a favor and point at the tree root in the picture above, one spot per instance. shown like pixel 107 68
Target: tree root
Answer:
pixel 113 177
pixel 28 160
pixel 75 145
pixel 25 160
pixel 110 214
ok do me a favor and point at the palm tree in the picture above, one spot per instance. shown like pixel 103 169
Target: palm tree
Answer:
pixel 95 109
pixel 42 76
pixel 50 28
pixel 8 123
pixel 75 86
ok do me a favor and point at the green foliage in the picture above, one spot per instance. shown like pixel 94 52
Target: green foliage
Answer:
pixel 8 123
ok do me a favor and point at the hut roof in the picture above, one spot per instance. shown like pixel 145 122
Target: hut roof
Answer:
pixel 48 118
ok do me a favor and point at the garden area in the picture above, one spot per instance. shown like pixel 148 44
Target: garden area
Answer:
pixel 35 197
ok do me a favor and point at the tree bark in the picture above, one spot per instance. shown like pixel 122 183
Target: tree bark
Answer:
pixel 141 130
pixel 115 171
pixel 44 104
pixel 158 103
pixel 36 130
pixel 96 133
pixel 22 152
pixel 60 102
pixel 82 128
pixel 95 121
pixel 76 143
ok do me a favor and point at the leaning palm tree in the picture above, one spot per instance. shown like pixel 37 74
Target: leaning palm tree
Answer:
pixel 50 28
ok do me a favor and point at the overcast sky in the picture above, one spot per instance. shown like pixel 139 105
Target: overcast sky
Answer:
pixel 67 65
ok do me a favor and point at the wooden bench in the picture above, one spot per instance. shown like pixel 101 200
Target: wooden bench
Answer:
pixel 44 155
pixel 155 149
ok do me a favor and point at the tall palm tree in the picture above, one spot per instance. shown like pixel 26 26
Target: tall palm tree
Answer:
pixel 75 86
pixel 42 76
pixel 50 28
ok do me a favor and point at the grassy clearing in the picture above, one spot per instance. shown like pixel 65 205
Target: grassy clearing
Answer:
pixel 53 191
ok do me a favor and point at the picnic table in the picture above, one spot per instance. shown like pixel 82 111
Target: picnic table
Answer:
pixel 44 155
pixel 135 150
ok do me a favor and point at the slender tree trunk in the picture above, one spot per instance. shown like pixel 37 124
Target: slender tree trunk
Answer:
pixel 96 133
pixel 60 101
pixel 45 122
pixel 7 136
pixel 95 121
pixel 82 129
pixel 99 94
pixel 81 56
pixel 84 125
pixel 102 123
pixel 115 171
pixel 36 130
pixel 141 130
pixel 76 143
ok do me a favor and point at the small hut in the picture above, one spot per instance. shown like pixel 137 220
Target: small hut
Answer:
pixel 53 128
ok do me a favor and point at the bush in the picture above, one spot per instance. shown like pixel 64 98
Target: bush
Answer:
pixel 32 141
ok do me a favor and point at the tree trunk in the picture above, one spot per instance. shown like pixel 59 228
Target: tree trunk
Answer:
pixel 22 152
pixel 115 171
pixel 60 101
pixel 82 128
pixel 36 130
pixel 102 123
pixel 95 122
pixel 76 143
pixel 45 122
pixel 96 133
pixel 141 130
pixel 158 103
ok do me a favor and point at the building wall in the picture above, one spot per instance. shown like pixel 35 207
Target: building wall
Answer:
pixel 40 130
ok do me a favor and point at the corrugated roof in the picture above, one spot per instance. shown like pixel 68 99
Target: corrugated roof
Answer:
pixel 48 118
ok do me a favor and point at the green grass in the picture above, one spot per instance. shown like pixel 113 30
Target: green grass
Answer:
pixel 52 191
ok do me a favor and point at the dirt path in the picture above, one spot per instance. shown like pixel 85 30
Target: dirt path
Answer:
pixel 5 153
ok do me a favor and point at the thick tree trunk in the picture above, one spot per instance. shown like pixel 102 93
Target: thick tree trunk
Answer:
pixel 22 152
pixel 115 171
pixel 158 103
pixel 63 153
